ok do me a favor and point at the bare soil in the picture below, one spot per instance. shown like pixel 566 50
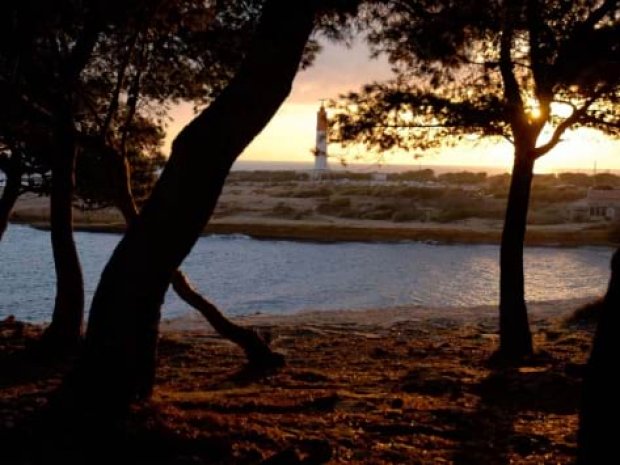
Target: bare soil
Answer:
pixel 357 389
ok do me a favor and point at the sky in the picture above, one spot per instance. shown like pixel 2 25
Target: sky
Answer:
pixel 291 133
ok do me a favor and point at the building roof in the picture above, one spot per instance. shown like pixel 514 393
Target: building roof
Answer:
pixel 610 197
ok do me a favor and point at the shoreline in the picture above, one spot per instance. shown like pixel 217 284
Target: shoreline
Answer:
pixel 372 318
pixel 381 318
pixel 326 232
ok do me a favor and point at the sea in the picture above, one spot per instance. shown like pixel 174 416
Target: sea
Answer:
pixel 245 276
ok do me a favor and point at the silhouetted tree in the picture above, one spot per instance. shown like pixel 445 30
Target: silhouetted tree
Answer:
pixel 599 409
pixel 520 70
pixel 113 171
pixel 147 81
pixel 119 361
pixel 125 73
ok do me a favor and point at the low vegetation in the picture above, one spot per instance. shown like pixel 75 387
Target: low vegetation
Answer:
pixel 412 196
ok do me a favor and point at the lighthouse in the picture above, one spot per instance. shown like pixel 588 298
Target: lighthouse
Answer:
pixel 320 151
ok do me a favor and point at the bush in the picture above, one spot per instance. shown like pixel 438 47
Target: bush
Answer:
pixel 463 177
pixel 340 202
pixel 365 191
pixel 449 215
pixel 312 192
pixel 411 214
pixel 380 213
pixel 575 179
pixel 267 176
pixel 417 175
pixel 281 209
pixel 547 216
pixel 498 185
pixel 547 194
pixel 460 208
pixel 587 314
pixel 338 206
pixel 419 193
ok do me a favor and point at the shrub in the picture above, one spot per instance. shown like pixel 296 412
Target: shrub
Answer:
pixel 411 214
pixel 339 206
pixel 282 209
pixel 587 314
pixel 463 177
pixel 417 175
pixel 419 193
pixel 542 217
pixel 311 192
pixel 547 194
pixel 380 213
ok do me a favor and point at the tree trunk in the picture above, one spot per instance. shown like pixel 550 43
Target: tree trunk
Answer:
pixel 9 197
pixel 65 330
pixel 515 336
pixel 600 409
pixel 256 349
pixel 118 364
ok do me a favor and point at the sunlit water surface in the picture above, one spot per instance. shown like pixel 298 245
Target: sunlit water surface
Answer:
pixel 245 276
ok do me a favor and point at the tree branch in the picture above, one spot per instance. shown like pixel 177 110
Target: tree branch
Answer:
pixel 120 79
pixel 132 101
pixel 567 123
pixel 599 14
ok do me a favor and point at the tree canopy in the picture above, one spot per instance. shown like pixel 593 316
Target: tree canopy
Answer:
pixel 486 68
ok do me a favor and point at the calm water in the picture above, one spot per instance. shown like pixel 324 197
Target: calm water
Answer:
pixel 246 276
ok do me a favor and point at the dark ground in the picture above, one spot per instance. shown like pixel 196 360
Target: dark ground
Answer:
pixel 411 393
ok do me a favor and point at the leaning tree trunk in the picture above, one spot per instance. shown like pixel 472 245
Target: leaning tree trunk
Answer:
pixel 9 197
pixel 118 364
pixel 600 408
pixel 256 349
pixel 515 335
pixel 65 330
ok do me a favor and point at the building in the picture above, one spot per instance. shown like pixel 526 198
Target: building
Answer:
pixel 321 169
pixel 600 204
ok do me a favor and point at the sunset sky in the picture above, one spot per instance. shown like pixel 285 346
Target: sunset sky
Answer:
pixel 290 135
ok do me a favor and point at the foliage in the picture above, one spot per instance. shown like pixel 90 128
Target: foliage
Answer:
pixel 463 177
pixel 493 68
pixel 425 175
pixel 267 176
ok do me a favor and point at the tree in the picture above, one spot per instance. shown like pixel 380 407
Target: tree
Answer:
pixel 41 72
pixel 128 135
pixel 113 63
pixel 119 360
pixel 114 185
pixel 518 70
pixel 599 407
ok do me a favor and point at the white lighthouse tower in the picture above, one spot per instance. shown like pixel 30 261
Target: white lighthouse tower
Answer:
pixel 320 151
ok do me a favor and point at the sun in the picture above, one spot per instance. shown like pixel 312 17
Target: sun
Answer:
pixel 535 113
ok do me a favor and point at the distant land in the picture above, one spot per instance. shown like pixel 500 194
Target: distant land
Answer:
pixel 335 165
pixel 456 206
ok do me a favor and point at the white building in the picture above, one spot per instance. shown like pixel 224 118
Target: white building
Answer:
pixel 600 204
pixel 320 152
